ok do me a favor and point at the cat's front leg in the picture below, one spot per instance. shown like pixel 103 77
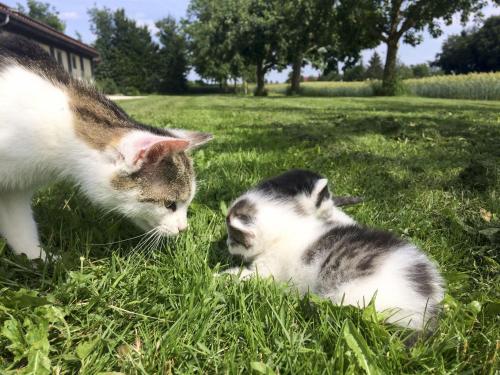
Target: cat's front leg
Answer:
pixel 17 224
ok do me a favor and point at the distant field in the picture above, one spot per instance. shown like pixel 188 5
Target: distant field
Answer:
pixel 477 86
pixel 428 169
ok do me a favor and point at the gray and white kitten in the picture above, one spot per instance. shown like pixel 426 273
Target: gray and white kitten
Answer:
pixel 290 227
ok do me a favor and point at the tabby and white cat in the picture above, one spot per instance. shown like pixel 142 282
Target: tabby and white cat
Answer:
pixel 53 126
pixel 289 227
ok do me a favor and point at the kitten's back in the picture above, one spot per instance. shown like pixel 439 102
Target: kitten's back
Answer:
pixel 356 263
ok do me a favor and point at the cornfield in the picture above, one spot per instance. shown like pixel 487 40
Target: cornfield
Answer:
pixel 476 86
pixel 479 86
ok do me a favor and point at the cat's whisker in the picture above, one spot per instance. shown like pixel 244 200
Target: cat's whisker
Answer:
pixel 148 241
pixel 119 241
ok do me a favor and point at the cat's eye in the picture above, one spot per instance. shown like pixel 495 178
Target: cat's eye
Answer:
pixel 169 205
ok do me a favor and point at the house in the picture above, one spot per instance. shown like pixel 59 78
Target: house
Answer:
pixel 76 57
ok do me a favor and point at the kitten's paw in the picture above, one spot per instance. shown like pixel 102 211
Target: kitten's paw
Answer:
pixel 241 273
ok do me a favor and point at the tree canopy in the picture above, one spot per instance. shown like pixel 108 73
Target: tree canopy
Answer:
pixel 172 59
pixel 375 69
pixel 43 12
pixel 131 61
pixel 476 50
pixel 396 20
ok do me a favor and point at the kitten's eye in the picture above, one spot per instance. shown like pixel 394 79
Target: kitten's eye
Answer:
pixel 169 205
pixel 245 218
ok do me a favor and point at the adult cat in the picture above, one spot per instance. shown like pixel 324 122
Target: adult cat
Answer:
pixel 54 126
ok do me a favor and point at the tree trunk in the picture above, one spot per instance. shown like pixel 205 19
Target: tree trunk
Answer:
pixel 295 79
pixel 390 80
pixel 260 76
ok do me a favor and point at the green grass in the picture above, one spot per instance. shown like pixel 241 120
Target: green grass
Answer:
pixel 429 170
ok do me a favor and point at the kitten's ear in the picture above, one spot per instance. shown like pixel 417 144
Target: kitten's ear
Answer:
pixel 346 201
pixel 196 139
pixel 320 192
pixel 137 150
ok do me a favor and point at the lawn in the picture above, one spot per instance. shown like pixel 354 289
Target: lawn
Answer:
pixel 429 170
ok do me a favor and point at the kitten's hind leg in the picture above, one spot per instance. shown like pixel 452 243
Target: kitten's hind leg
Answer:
pixel 17 224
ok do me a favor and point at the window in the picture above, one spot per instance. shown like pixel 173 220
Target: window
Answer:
pixel 73 60
pixel 59 57
pixel 82 68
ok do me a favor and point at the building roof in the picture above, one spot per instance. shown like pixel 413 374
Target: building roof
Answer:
pixel 20 23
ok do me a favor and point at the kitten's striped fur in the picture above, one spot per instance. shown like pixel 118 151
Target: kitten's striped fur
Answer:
pixel 290 228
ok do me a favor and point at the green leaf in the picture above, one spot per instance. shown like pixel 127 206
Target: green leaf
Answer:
pixel 37 341
pixel 223 208
pixel 261 368
pixel 38 363
pixel 85 348
pixel 23 298
pixel 492 308
pixel 360 349
pixel 12 331
pixel 475 307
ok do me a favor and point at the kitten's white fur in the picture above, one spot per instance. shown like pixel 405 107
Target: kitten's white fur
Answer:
pixel 281 236
pixel 38 144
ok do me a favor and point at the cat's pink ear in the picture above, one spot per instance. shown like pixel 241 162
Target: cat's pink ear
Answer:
pixel 157 151
pixel 138 149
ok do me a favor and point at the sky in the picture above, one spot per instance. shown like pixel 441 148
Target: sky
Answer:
pixel 146 12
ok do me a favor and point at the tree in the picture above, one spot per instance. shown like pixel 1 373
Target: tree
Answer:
pixel 128 54
pixel 396 20
pixel 375 69
pixel 476 50
pixel 421 70
pixel 260 40
pixel 307 25
pixel 354 73
pixel 172 61
pixel 227 36
pixel 43 12
pixel 211 37
pixel 403 71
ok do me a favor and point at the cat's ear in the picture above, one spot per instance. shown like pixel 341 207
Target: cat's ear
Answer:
pixel 137 150
pixel 346 201
pixel 320 192
pixel 195 138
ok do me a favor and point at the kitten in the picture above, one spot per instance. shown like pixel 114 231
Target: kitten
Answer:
pixel 53 126
pixel 290 227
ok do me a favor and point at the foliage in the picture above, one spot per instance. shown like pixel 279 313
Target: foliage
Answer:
pixel 354 73
pixel 421 70
pixel 375 69
pixel 308 27
pixel 128 54
pixel 393 21
pixel 477 50
pixel 43 12
pixel 172 61
pixel 123 309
